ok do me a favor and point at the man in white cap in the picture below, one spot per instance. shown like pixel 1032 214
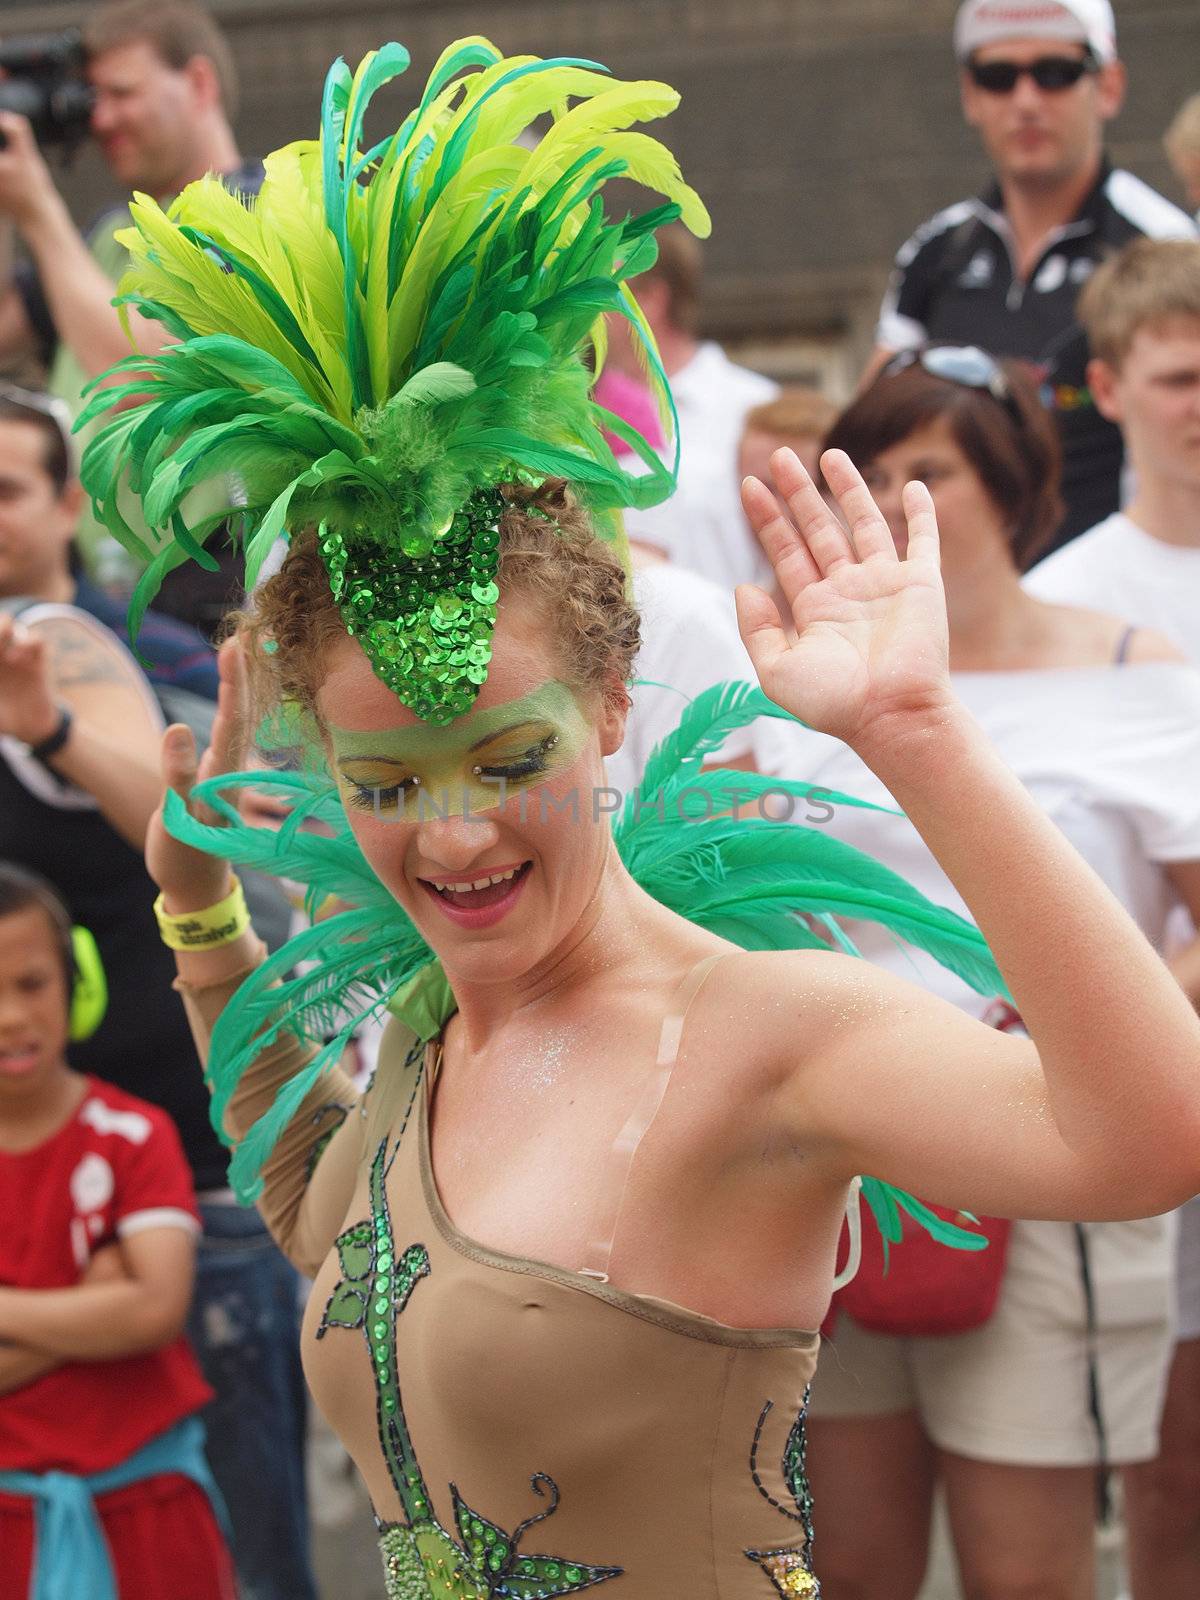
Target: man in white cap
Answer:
pixel 1039 79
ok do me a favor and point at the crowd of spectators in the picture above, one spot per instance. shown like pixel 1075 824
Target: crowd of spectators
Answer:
pixel 1037 365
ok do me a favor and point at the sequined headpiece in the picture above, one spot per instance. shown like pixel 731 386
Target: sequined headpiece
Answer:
pixel 384 339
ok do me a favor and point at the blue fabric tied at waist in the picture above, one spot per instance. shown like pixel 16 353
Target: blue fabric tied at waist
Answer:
pixel 71 1560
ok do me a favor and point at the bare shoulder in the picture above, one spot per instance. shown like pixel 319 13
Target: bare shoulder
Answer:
pixel 1080 637
pixel 83 653
pixel 789 1004
pixel 1147 645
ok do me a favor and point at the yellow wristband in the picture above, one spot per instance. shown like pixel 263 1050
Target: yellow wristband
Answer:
pixel 207 929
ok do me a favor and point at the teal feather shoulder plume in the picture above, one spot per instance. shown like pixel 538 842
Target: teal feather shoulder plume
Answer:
pixel 383 337
pixel 759 884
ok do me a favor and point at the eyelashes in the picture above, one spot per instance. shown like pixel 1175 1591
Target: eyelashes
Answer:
pixel 377 797
pixel 532 763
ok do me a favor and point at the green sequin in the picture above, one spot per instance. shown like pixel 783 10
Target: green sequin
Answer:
pixel 789 1569
pixel 418 612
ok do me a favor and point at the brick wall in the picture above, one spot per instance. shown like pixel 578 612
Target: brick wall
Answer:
pixel 819 131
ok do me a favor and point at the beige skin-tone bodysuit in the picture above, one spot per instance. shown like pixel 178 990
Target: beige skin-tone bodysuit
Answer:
pixel 524 1431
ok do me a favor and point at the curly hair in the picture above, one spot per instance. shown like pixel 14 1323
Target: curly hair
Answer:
pixel 549 554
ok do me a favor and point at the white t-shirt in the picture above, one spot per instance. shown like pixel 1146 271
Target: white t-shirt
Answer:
pixel 702 525
pixel 690 641
pixel 1118 567
pixel 1112 755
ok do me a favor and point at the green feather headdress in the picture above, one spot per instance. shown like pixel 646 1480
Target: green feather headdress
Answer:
pixel 384 337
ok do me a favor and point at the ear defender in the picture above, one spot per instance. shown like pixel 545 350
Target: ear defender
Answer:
pixel 89 992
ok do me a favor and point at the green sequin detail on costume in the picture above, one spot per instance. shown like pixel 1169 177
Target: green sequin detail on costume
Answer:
pixel 423 606
pixel 421 1560
pixel 789 1570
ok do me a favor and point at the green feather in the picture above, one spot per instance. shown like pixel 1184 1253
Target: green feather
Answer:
pixel 446 271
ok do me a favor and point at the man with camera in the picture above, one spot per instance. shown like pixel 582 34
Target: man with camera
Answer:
pixel 154 82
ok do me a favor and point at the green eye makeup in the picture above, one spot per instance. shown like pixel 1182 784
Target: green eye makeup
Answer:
pixel 466 767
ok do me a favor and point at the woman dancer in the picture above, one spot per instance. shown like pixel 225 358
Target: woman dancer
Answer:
pixel 565 1250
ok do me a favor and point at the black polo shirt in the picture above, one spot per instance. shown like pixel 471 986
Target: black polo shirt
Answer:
pixel 955 282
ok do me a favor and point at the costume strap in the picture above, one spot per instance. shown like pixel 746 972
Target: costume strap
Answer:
pixel 649 1103
pixel 854 1236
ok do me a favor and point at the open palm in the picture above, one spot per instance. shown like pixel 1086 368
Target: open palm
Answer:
pixel 870 629
pixel 188 878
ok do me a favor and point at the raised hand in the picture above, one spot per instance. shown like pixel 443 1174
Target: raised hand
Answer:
pixel 871 639
pixel 28 710
pixel 189 879
pixel 27 188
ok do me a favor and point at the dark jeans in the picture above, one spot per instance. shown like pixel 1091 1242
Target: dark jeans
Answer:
pixel 244 1327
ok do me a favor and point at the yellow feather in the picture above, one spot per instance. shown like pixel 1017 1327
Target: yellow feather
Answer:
pixel 409 304
pixel 507 114
pixel 473 91
pixel 642 347
pixel 652 164
pixel 190 282
pixel 489 175
pixel 464 89
pixel 476 39
pixel 289 209
pixel 599 338
pixel 585 124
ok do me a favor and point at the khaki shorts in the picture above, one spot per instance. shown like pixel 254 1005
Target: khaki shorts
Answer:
pixel 1015 1391
pixel 1189 1270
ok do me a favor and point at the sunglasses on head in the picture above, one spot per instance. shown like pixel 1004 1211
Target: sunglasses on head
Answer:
pixel 44 405
pixel 1048 72
pixel 964 364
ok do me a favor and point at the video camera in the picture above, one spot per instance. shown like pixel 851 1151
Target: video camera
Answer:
pixel 45 80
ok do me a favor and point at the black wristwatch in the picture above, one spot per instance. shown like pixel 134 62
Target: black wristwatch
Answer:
pixel 53 742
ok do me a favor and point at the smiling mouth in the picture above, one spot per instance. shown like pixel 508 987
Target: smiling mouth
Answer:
pixel 480 893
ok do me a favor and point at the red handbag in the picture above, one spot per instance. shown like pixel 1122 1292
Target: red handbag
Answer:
pixel 921 1287
pixel 926 1288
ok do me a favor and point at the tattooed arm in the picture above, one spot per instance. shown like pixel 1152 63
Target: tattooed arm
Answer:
pixel 68 661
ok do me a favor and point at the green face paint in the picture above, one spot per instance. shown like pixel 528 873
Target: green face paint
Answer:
pixel 417 774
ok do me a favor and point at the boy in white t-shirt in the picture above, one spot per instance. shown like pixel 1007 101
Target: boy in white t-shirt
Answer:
pixel 1141 312
pixel 1142 315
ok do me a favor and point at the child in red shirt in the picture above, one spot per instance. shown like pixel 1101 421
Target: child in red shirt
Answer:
pixel 104 1490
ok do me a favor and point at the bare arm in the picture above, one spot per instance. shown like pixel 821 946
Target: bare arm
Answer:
pixel 19 1364
pixel 112 749
pixel 1185 963
pixel 1147 645
pixel 17 337
pixel 310 1177
pixel 1062 1127
pixel 77 291
pixel 97 1320
pixel 303 1204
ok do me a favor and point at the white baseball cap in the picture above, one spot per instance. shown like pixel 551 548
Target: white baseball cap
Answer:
pixel 1089 22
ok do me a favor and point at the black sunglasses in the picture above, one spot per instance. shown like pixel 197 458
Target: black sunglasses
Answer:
pixel 1051 73
pixel 964 364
